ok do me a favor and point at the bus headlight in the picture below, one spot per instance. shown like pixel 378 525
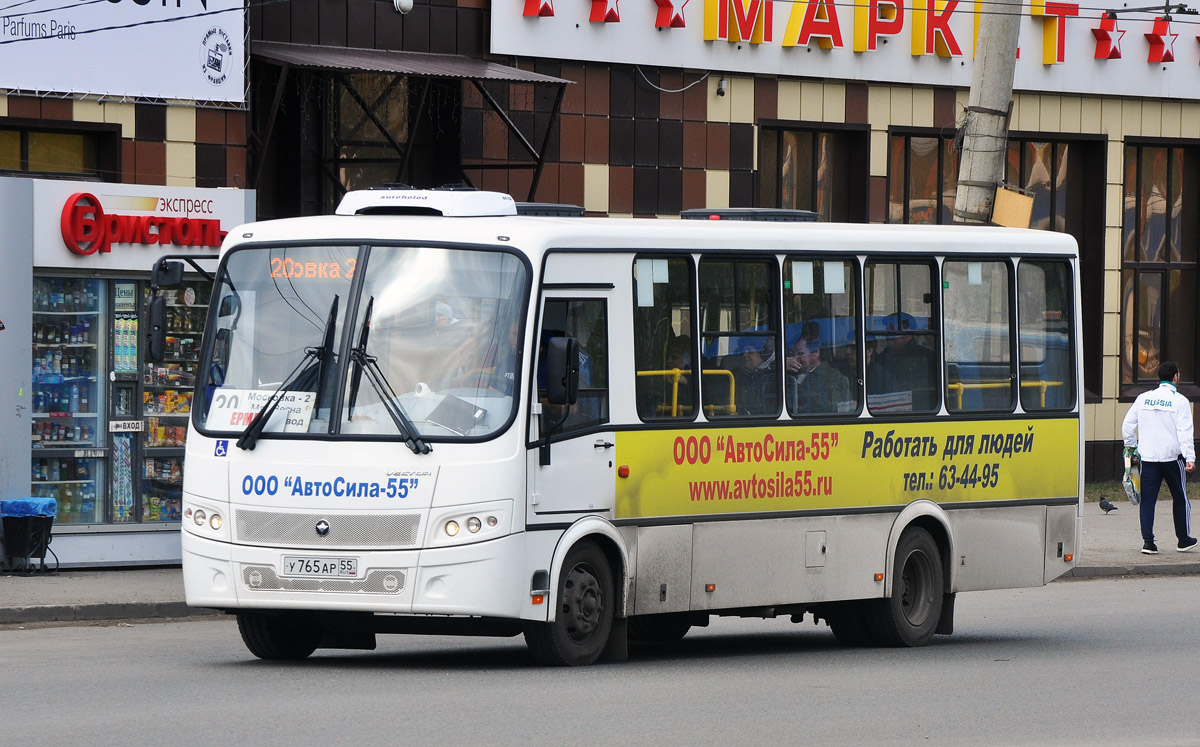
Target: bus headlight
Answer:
pixel 199 517
pixel 460 525
pixel 215 521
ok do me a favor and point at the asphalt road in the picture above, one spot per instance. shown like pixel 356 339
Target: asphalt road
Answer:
pixel 1098 662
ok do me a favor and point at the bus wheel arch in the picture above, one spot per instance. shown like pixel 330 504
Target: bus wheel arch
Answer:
pixel 917 602
pixel 933 519
pixel 584 600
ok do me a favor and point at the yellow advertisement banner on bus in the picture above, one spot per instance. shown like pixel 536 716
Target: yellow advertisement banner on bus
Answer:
pixel 795 467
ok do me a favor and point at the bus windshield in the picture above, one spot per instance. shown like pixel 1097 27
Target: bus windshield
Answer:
pixel 397 342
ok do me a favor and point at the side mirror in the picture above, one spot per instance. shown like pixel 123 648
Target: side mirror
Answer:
pixel 562 370
pixel 230 306
pixel 156 329
pixel 166 274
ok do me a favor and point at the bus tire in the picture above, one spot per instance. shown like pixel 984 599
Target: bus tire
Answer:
pixel 848 621
pixel 665 628
pixel 584 618
pixel 277 637
pixel 910 616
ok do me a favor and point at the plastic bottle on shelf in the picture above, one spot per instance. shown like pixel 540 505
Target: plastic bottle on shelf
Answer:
pixel 74 398
pixel 83 398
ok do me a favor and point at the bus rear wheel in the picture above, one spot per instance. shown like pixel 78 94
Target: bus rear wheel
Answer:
pixel 278 637
pixel 848 621
pixel 910 616
pixel 584 616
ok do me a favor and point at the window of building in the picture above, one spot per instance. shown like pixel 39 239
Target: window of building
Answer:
pixel 809 169
pixel 978 335
pixel 1160 232
pixel 663 338
pixel 1066 179
pixel 821 370
pixel 739 326
pixel 902 342
pixel 922 178
pixel 34 150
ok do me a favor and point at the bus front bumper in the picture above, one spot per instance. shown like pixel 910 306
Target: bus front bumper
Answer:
pixel 485 579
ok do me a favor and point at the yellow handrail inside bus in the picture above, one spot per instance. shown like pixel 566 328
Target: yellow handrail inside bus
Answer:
pixel 959 387
pixel 676 373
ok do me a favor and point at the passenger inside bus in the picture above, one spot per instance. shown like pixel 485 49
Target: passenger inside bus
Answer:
pixel 903 368
pixel 679 356
pixel 755 387
pixel 812 386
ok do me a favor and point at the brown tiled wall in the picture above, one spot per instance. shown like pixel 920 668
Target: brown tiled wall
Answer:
pixel 221 148
pixel 656 145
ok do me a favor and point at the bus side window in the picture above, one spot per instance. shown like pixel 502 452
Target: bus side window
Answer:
pixel 739 330
pixel 1046 349
pixel 587 321
pixel 663 347
pixel 978 339
pixel 821 372
pixel 902 341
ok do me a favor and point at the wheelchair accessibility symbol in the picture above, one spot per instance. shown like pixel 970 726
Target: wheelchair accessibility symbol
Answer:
pixel 222 448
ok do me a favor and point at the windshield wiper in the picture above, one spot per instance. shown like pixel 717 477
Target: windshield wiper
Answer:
pixel 379 382
pixel 301 377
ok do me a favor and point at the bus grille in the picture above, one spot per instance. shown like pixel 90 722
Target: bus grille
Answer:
pixel 377 581
pixel 345 530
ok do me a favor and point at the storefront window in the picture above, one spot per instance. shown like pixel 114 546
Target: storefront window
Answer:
pixel 820 170
pixel 1160 234
pixel 108 433
pixel 68 423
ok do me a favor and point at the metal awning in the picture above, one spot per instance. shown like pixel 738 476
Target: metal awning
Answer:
pixel 420 64
pixel 337 62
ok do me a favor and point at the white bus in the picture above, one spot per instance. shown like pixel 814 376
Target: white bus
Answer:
pixel 431 414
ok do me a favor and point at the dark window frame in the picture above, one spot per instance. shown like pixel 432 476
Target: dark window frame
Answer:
pixel 107 140
pixel 857 168
pixel 1130 389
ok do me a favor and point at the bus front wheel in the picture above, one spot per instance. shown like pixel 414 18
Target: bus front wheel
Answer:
pixel 910 615
pixel 277 637
pixel 584 616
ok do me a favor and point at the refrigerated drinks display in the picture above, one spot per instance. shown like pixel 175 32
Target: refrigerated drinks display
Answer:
pixel 68 397
pixel 167 403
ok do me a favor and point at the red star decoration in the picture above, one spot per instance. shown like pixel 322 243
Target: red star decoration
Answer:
pixel 1108 47
pixel 538 8
pixel 1161 41
pixel 670 15
pixel 605 11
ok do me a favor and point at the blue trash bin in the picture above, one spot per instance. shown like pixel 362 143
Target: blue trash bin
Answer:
pixel 27 526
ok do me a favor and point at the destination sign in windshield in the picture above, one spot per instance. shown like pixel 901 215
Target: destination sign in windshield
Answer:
pixel 233 409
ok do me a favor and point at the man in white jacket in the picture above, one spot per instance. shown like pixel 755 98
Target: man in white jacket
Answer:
pixel 1160 425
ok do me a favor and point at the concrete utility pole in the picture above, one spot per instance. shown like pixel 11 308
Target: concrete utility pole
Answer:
pixel 985 132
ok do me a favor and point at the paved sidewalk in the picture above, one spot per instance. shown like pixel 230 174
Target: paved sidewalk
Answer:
pixel 1111 547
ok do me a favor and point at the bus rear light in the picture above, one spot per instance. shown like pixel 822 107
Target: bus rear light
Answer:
pixel 537 599
pixel 452 528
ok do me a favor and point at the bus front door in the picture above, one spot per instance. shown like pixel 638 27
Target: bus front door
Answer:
pixel 577 475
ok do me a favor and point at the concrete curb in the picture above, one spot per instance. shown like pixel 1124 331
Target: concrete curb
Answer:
pixel 99 612
pixel 1161 569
